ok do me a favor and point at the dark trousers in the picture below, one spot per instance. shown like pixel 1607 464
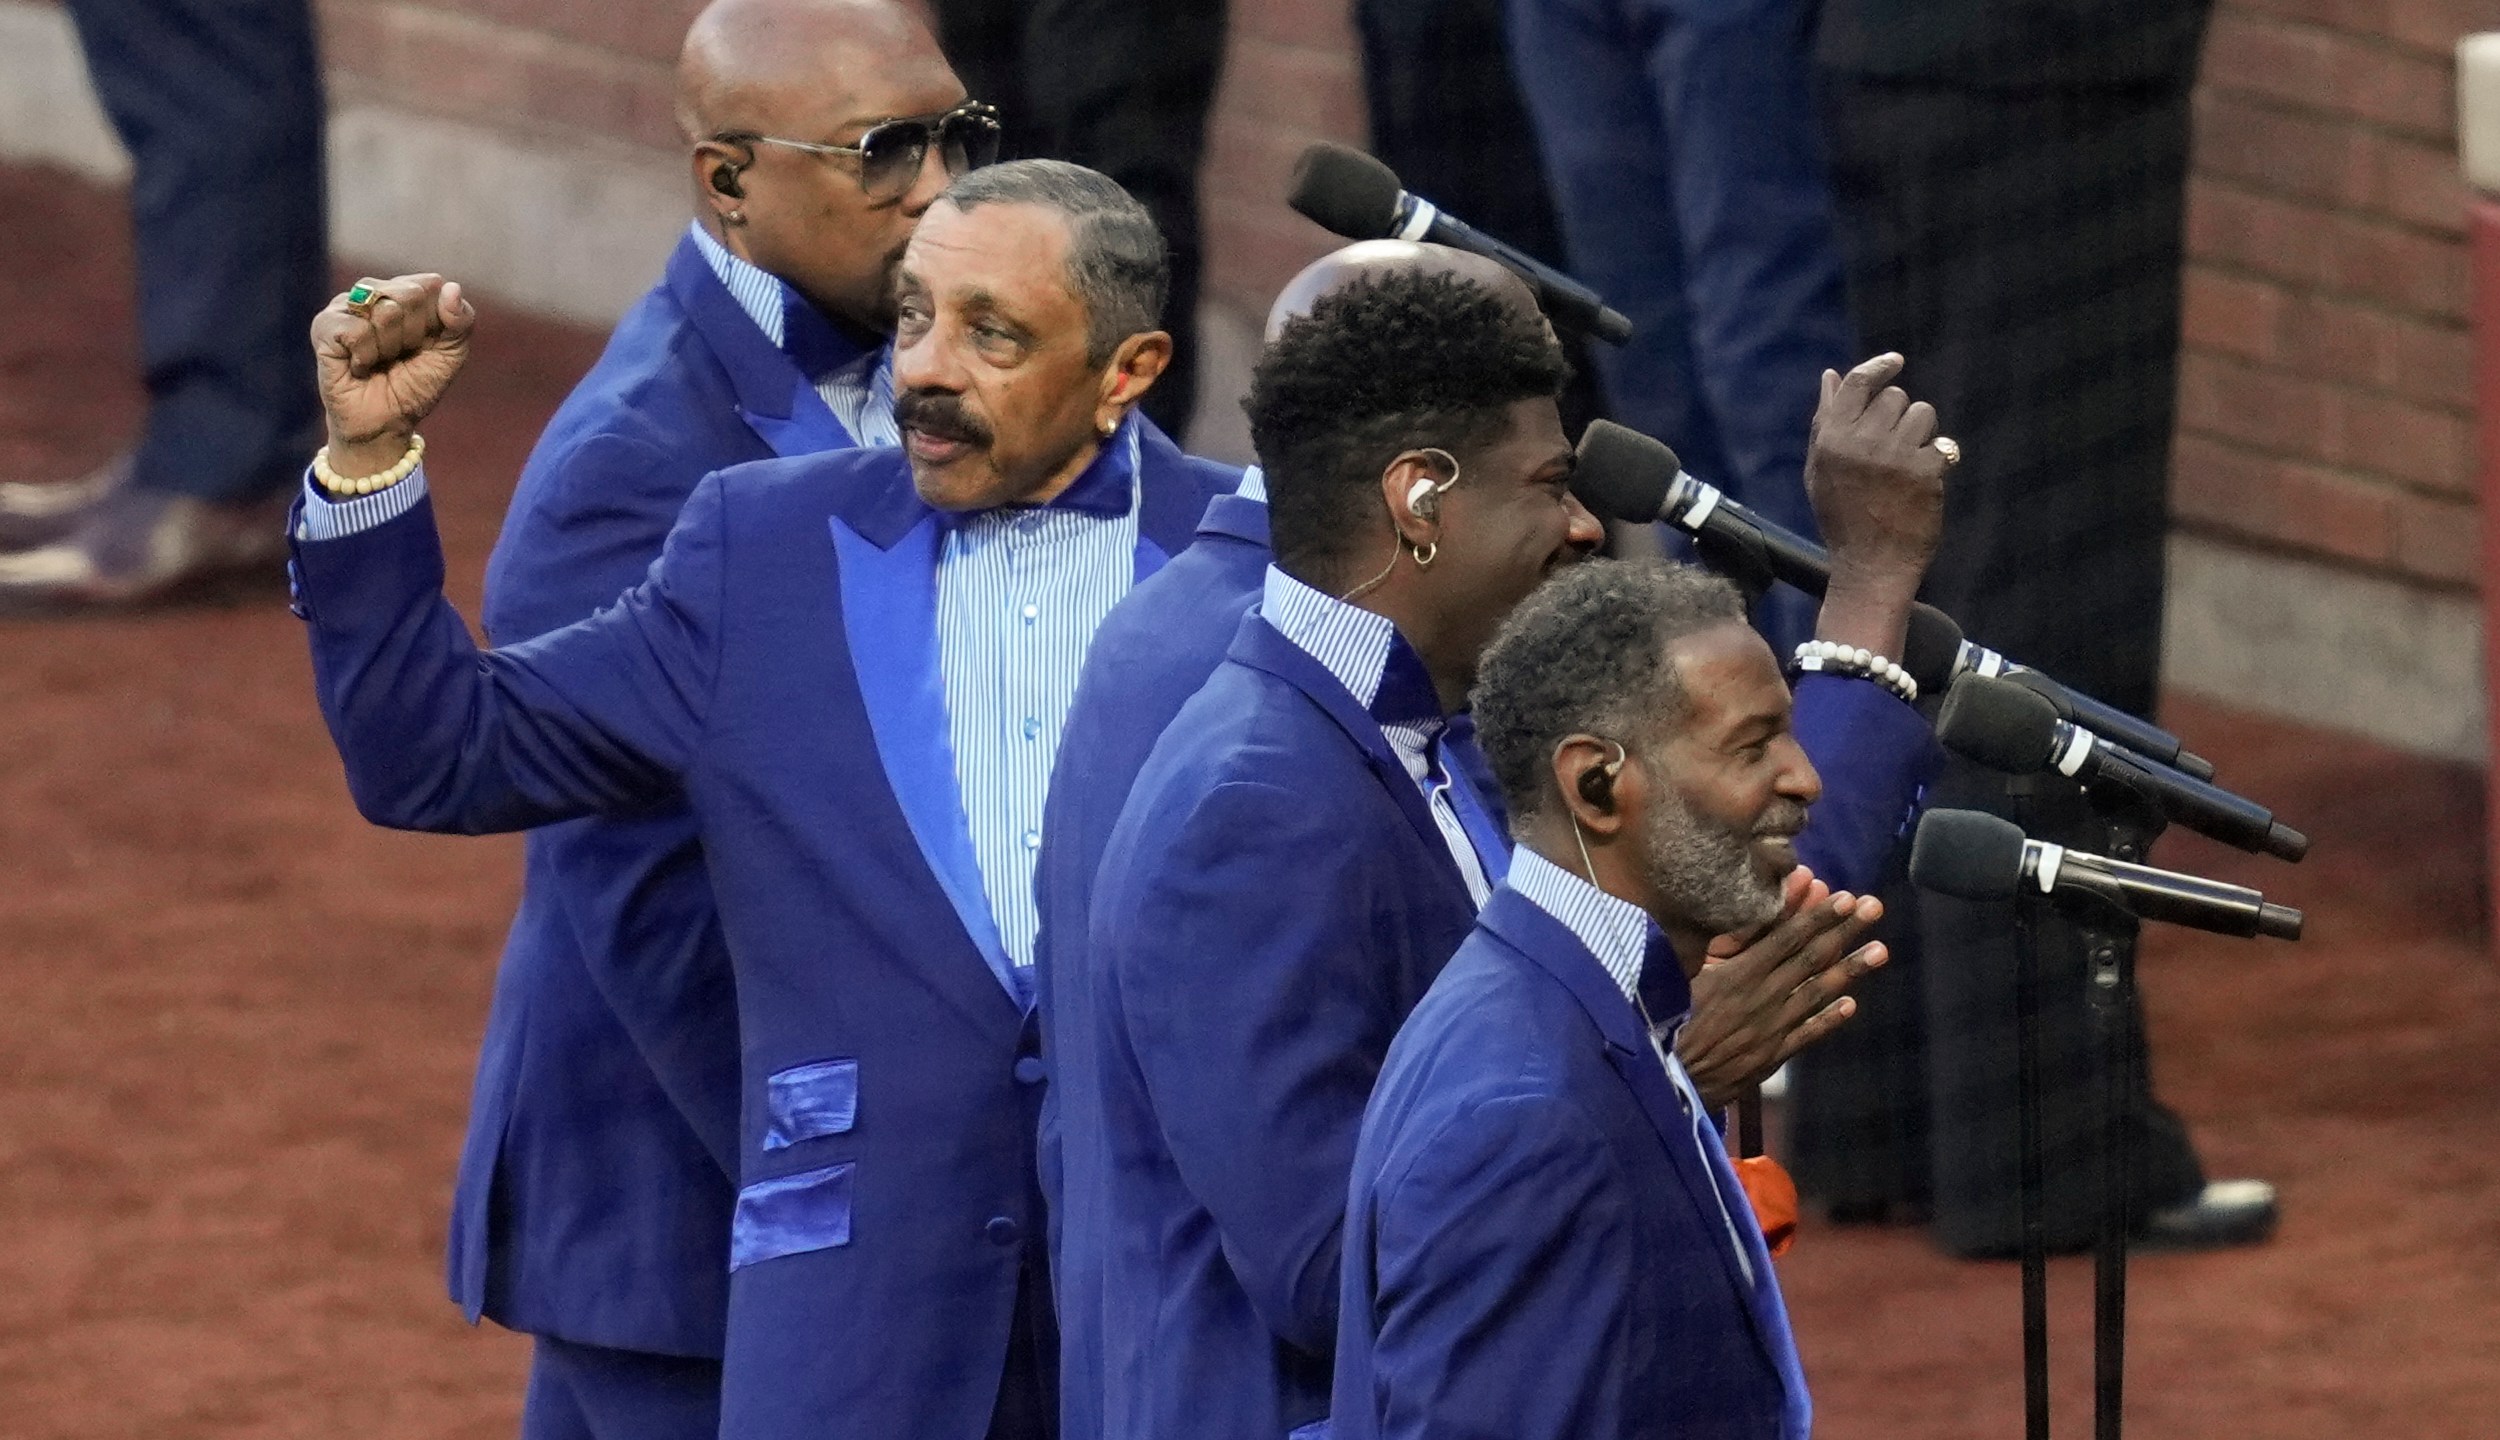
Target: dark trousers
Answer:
pixel 1121 87
pixel 2034 287
pixel 1686 164
pixel 220 105
pixel 590 1392
pixel 1446 114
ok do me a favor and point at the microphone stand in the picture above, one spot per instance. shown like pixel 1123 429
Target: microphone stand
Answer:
pixel 2134 818
pixel 2035 1253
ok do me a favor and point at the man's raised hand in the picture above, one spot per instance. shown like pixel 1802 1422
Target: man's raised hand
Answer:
pixel 1761 999
pixel 384 369
pixel 1875 475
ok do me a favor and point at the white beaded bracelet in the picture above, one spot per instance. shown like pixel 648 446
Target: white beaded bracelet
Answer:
pixel 338 484
pixel 1830 658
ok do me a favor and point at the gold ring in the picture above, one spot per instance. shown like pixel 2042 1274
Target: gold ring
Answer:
pixel 1948 448
pixel 362 297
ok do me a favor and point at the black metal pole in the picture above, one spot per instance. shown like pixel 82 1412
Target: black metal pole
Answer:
pixel 2033 1176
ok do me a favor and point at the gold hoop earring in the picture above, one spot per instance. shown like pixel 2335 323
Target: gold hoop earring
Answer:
pixel 1426 553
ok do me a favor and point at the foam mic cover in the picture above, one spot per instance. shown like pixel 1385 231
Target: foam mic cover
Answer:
pixel 1346 192
pixel 1967 854
pixel 1622 474
pixel 1999 724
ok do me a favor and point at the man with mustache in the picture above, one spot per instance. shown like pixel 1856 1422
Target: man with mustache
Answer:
pixel 603 1130
pixel 1544 1237
pixel 1295 861
pixel 853 667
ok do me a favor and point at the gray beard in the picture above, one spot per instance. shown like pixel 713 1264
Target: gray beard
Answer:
pixel 1705 871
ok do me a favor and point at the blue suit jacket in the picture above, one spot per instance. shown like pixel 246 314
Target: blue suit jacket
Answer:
pixel 598 1176
pixel 1535 1248
pixel 1158 646
pixel 779 669
pixel 1273 901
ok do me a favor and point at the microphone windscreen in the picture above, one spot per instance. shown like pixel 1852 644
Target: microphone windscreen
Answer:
pixel 1998 724
pixel 1934 647
pixel 1967 854
pixel 1345 191
pixel 1622 474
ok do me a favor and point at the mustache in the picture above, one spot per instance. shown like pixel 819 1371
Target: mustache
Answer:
pixel 940 416
pixel 1781 822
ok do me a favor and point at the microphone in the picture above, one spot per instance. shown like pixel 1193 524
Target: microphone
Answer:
pixel 1623 474
pixel 1354 195
pixel 1976 856
pixel 2001 724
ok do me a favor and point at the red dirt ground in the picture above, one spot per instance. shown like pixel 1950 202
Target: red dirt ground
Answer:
pixel 236 1026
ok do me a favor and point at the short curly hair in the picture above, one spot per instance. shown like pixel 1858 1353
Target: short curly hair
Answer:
pixel 1582 655
pixel 1388 363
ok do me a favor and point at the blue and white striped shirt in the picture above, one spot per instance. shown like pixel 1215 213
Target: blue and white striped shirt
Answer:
pixel 1618 933
pixel 1354 644
pixel 860 393
pixel 1021 591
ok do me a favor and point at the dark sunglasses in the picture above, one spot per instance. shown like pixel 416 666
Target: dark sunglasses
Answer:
pixel 892 152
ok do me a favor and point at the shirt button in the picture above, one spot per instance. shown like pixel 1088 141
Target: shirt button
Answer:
pixel 1001 1230
pixel 1032 727
pixel 1032 839
pixel 1032 613
pixel 1030 1069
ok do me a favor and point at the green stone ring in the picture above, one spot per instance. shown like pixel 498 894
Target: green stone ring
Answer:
pixel 360 297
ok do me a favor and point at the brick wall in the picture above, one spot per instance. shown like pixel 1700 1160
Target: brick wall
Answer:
pixel 2325 396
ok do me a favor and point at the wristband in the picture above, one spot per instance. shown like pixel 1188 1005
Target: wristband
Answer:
pixel 1827 658
pixel 338 484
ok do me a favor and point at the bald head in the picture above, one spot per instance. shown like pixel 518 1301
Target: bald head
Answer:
pixel 1339 268
pixel 773 67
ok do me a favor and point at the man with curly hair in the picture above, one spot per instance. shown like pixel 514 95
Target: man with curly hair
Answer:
pixel 1295 863
pixel 1542 1225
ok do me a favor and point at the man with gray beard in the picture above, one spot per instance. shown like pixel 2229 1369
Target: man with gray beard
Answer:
pixel 1544 1225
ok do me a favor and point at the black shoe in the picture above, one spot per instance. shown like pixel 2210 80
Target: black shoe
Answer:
pixel 34 514
pixel 2224 1214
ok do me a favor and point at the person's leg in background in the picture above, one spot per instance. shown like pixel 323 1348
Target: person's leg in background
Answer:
pixel 1453 125
pixel 1125 88
pixel 588 1392
pixel 2035 291
pixel 1684 151
pixel 220 105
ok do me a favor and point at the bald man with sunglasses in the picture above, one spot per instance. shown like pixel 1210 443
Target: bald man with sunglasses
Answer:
pixel 598 1179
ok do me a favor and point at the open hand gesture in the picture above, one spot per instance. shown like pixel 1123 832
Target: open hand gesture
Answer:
pixel 1760 999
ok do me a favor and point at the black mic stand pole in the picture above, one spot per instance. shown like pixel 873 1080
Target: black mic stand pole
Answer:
pixel 2134 819
pixel 2035 1250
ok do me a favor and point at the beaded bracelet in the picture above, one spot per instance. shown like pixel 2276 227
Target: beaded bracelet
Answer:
pixel 338 484
pixel 1829 658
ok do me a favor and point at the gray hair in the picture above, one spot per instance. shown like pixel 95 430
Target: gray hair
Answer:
pixel 1585 655
pixel 1116 260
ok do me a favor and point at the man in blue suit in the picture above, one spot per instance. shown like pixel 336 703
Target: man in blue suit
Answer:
pixel 1544 1238
pixel 596 1186
pixel 853 666
pixel 1294 864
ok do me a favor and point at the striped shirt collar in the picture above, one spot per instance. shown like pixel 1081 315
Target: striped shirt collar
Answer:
pixel 1615 930
pixel 788 319
pixel 1360 647
pixel 1253 485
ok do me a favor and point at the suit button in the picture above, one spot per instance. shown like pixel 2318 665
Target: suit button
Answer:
pixel 1030 1069
pixel 1001 1230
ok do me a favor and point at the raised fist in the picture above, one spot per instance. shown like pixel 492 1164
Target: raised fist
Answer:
pixel 384 366
pixel 1875 472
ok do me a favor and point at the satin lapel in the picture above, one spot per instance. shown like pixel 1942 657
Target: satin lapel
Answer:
pixel 1263 647
pixel 889 614
pixel 1549 945
pixel 774 399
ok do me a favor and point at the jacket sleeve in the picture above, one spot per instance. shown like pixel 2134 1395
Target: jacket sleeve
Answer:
pixel 1876 756
pixel 436 734
pixel 1259 1021
pixel 1503 1261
